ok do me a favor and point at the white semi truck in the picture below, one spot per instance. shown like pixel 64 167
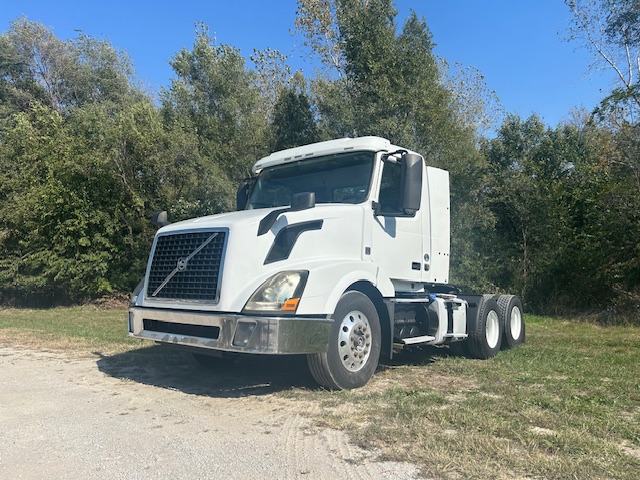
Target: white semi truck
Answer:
pixel 339 250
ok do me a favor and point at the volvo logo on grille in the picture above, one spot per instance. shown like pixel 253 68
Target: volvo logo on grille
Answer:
pixel 182 264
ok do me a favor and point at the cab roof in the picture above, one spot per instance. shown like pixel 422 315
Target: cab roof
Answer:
pixel 374 144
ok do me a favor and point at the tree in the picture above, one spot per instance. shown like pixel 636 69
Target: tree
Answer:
pixel 530 201
pixel 610 30
pixel 380 82
pixel 215 97
pixel 72 208
pixel 79 162
pixel 293 120
pixel 35 65
pixel 567 216
pixel 273 75
pixel 477 108
pixel 316 22
pixel 376 80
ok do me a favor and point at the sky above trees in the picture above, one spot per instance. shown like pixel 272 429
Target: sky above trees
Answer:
pixel 519 47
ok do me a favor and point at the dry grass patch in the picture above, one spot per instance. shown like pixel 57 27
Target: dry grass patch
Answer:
pixel 559 407
pixel 77 330
pixel 564 406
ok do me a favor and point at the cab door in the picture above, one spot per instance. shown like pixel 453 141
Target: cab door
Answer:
pixel 396 238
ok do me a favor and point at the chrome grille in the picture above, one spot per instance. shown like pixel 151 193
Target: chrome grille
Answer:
pixel 187 266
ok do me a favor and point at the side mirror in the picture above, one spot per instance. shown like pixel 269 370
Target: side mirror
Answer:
pixel 160 219
pixel 303 201
pixel 411 186
pixel 242 195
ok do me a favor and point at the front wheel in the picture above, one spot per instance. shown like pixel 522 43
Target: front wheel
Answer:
pixel 354 345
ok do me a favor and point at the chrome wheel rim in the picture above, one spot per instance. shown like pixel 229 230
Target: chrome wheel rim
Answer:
pixel 354 340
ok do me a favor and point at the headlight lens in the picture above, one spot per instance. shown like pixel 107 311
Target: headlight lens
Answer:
pixel 281 293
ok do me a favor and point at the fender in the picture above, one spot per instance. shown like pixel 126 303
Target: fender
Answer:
pixel 335 278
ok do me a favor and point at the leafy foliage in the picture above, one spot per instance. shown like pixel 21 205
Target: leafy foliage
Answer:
pixel 390 84
pixel 567 209
pixel 213 100
pixel 70 219
pixel 293 121
pixel 610 30
pixel 86 155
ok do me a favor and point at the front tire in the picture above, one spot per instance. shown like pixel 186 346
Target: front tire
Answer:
pixel 485 335
pixel 354 345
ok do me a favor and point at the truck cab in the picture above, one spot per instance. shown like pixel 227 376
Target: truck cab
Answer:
pixel 339 250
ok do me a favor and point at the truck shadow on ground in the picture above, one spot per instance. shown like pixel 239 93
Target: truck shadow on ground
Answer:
pixel 418 356
pixel 249 375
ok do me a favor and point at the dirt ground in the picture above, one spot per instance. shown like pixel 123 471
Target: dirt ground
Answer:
pixel 147 415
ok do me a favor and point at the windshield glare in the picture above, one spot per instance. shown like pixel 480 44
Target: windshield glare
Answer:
pixel 342 178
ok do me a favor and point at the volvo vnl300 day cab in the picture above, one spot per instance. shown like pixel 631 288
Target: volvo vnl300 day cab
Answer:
pixel 339 250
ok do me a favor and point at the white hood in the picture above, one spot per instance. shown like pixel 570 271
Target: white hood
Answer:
pixel 313 238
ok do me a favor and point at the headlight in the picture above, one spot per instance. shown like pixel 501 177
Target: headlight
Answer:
pixel 281 293
pixel 133 300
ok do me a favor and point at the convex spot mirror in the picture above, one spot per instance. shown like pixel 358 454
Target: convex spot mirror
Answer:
pixel 160 219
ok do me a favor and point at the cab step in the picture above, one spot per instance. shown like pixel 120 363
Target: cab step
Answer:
pixel 418 340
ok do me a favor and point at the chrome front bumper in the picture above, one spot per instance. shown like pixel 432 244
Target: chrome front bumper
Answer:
pixel 231 332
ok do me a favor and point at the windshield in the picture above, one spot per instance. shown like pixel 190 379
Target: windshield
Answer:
pixel 342 178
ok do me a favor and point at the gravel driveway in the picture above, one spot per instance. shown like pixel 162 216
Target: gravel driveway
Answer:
pixel 147 415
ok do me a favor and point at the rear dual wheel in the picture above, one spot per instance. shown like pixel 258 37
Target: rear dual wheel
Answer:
pixel 510 310
pixel 486 330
